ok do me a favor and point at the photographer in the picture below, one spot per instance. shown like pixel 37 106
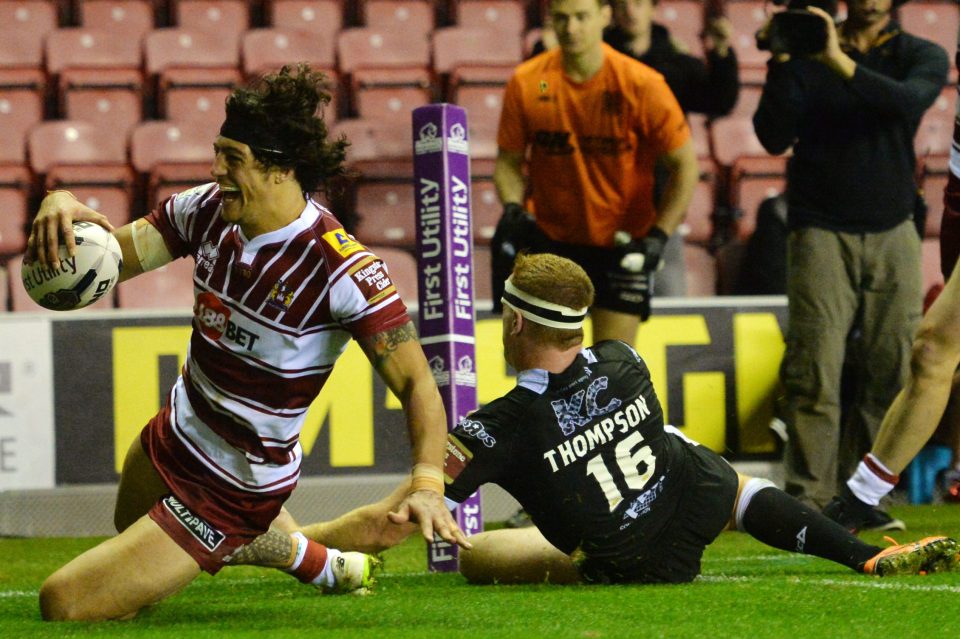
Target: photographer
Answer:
pixel 848 98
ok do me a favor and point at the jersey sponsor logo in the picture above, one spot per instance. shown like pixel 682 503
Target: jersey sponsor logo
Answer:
pixel 373 280
pixel 553 142
pixel 456 459
pixel 603 145
pixel 601 433
pixel 801 539
pixel 208 536
pixel 582 408
pixel 476 430
pixel 341 241
pixel 207 256
pixel 281 297
pixel 641 505
pixel 213 317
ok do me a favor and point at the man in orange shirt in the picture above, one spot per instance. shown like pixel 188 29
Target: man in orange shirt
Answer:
pixel 590 124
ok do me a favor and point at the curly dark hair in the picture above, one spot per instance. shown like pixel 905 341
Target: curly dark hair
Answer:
pixel 285 105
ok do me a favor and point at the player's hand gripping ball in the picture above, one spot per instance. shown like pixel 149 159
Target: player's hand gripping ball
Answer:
pixel 79 280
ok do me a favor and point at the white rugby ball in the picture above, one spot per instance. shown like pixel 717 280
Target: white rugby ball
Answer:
pixel 80 280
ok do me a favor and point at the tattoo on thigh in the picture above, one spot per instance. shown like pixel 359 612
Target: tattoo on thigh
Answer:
pixel 273 549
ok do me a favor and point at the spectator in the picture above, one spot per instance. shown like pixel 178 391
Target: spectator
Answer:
pixel 850 111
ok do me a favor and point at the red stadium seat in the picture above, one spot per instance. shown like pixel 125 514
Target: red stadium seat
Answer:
pixel 747 16
pixel 195 70
pixel 4 289
pixel 456 49
pixel 99 76
pixel 402 267
pixel 936 21
pixel 482 283
pixel 13 220
pixel 413 18
pixel 483 104
pixel 377 149
pixel 936 127
pixel 22 87
pixel 700 132
pixel 684 19
pixel 173 156
pixel 88 160
pixel 132 18
pixel 170 286
pixel 697 226
pixel 387 212
pixel 747 101
pixel 321 17
pixel 701 271
pixel 503 16
pixel 264 50
pixel 223 17
pixel 391 104
pixel 733 138
pixel 485 209
pixel 32 18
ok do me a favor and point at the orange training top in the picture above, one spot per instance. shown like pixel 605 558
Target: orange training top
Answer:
pixel 592 145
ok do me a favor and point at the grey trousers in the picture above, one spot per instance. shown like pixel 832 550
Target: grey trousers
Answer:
pixel 839 283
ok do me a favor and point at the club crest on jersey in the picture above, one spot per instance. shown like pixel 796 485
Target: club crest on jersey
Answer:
pixel 281 297
pixel 343 243
pixel 581 407
pixel 208 536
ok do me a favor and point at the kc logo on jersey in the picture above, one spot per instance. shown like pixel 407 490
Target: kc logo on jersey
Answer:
pixel 577 411
pixel 213 318
pixel 342 242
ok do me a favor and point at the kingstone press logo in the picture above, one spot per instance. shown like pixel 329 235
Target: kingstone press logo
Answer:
pixel 428 141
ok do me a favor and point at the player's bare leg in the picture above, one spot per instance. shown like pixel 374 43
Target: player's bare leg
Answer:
pixel 140 487
pixel 114 580
pixel 918 408
pixel 516 556
pixel 609 324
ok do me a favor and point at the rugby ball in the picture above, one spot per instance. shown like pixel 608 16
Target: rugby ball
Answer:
pixel 80 280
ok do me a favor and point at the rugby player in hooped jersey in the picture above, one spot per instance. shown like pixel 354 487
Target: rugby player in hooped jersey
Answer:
pixel 280 289
pixel 615 495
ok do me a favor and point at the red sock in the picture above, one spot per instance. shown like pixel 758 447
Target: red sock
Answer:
pixel 310 560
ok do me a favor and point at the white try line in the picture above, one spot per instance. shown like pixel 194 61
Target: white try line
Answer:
pixel 11 594
pixel 864 582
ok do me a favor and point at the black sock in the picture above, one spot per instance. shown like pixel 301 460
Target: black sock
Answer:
pixel 779 520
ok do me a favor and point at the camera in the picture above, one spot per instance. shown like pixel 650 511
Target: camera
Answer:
pixel 796 31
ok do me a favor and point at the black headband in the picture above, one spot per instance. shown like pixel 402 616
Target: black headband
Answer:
pixel 246 131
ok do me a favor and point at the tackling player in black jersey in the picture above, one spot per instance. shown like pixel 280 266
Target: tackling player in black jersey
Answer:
pixel 615 495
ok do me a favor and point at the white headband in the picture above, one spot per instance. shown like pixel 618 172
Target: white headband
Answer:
pixel 542 311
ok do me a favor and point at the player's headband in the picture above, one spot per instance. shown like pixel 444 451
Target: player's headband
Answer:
pixel 542 311
pixel 256 137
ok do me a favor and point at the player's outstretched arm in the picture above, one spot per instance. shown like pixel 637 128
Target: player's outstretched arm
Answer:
pixel 398 358
pixel 143 248
pixel 58 211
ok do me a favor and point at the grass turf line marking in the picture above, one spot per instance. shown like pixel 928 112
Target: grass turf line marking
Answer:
pixel 866 582
pixel 9 594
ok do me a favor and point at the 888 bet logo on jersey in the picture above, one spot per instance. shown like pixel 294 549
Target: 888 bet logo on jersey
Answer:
pixel 213 319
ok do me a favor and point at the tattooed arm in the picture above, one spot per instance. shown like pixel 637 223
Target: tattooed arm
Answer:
pixel 399 360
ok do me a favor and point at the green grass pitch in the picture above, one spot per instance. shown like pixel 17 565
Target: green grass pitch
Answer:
pixel 747 590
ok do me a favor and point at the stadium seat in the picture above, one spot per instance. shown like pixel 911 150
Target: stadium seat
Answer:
pixel 194 70
pixel 697 226
pixel 936 21
pixel 747 101
pixel 483 103
pixel 413 18
pixel 170 286
pixel 223 17
pixel 466 52
pixel 402 267
pixel 747 16
pixel 321 17
pixel 391 103
pixel 482 284
pixel 173 156
pixel 22 86
pixel 99 76
pixel 503 16
pixel 387 212
pixel 700 132
pixel 377 149
pixel 132 18
pixel 750 188
pixel 684 19
pixel 485 208
pixel 32 18
pixel 13 221
pixel 701 271
pixel 4 289
pixel 89 160
pixel 733 138
pixel 930 261
pixel 264 50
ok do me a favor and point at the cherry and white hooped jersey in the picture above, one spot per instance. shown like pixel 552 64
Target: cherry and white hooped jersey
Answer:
pixel 271 316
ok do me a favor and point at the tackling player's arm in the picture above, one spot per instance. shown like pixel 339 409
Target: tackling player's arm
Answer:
pixel 399 360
